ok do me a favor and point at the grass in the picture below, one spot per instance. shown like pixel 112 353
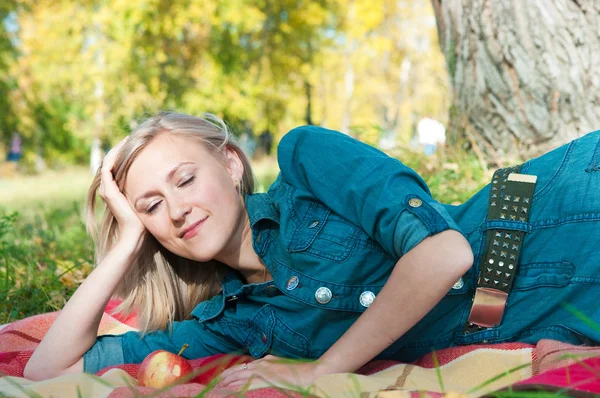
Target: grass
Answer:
pixel 47 190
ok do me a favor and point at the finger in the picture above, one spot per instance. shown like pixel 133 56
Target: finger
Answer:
pixel 241 376
pixel 101 189
pixel 107 182
pixel 234 369
pixel 246 383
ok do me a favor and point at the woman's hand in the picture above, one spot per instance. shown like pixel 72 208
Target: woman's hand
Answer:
pixel 131 227
pixel 272 370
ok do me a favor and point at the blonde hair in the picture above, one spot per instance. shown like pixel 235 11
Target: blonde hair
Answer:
pixel 161 286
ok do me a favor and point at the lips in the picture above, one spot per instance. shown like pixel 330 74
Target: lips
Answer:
pixel 191 230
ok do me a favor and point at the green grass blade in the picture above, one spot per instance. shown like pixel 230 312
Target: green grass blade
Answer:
pixel 438 371
pixel 582 317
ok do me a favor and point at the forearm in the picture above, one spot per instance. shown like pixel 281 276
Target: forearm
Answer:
pixel 418 282
pixel 75 329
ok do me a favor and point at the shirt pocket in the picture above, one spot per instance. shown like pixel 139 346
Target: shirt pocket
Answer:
pixel 324 234
pixel 287 342
pixel 269 334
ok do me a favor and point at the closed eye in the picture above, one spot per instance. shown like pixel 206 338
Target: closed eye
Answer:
pixel 187 182
pixel 152 208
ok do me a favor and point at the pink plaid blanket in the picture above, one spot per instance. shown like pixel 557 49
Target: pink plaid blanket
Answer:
pixel 470 371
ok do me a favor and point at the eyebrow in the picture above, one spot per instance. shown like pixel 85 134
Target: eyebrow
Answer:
pixel 169 176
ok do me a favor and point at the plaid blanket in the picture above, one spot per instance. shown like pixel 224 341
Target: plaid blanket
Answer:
pixel 469 371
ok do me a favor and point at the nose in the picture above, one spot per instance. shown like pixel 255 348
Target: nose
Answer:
pixel 179 209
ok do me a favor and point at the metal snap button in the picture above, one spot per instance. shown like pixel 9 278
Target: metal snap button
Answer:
pixel 415 202
pixel 366 298
pixel 272 290
pixel 458 284
pixel 292 283
pixel 232 298
pixel 314 224
pixel 323 295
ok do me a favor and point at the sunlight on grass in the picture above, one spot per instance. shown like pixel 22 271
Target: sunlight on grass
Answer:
pixel 46 190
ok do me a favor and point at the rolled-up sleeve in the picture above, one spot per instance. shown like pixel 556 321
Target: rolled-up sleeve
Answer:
pixel 203 340
pixel 387 199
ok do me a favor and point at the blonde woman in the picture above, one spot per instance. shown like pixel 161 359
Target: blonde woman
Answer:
pixel 346 258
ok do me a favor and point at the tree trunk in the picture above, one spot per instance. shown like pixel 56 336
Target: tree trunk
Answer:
pixel 523 73
pixel 308 116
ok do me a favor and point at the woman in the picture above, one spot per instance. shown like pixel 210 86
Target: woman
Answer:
pixel 295 272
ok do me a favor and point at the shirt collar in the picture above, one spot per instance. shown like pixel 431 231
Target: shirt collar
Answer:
pixel 231 283
pixel 260 207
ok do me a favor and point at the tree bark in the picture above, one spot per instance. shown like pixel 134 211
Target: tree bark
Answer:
pixel 523 73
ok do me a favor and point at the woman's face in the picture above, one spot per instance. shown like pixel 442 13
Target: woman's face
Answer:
pixel 186 196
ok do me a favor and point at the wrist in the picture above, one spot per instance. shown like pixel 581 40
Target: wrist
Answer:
pixel 325 365
pixel 130 241
pixel 126 248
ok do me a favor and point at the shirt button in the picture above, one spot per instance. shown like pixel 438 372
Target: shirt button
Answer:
pixel 323 295
pixel 232 298
pixel 314 224
pixel 263 337
pixel 272 290
pixel 415 202
pixel 292 283
pixel 459 284
pixel 366 298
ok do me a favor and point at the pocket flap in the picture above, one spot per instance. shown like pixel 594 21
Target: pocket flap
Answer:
pixel 309 227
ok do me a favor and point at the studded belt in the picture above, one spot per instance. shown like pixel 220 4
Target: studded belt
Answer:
pixel 509 200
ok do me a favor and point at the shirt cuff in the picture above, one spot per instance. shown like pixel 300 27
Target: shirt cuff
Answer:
pixel 423 217
pixel 106 351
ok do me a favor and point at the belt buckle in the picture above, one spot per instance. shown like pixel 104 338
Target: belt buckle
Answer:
pixel 488 307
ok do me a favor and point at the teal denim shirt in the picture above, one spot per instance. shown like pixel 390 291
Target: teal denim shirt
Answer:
pixel 338 218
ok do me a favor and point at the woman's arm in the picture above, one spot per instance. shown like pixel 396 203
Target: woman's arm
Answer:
pixel 418 282
pixel 75 329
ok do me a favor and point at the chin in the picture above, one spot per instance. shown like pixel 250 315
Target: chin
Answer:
pixel 207 254
pixel 186 254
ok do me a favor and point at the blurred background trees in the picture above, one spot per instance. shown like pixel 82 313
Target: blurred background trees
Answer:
pixel 72 71
pixel 518 77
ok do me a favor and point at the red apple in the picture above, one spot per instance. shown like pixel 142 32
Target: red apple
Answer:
pixel 162 368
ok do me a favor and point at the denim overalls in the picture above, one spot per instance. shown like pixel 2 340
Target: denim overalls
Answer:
pixel 334 224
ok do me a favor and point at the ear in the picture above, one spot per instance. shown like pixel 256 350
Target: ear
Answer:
pixel 233 163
